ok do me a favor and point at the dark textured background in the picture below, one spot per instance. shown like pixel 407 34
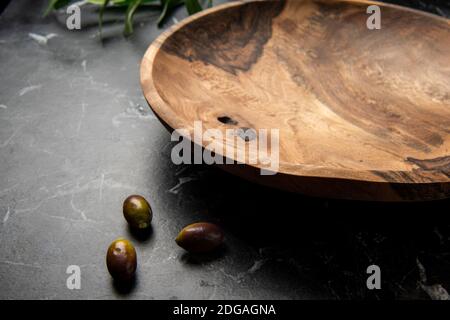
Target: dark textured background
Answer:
pixel 440 7
pixel 77 137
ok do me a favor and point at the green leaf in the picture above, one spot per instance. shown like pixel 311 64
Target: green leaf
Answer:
pixel 193 6
pixel 168 5
pixel 132 6
pixel 100 15
pixel 54 4
pixel 165 4
pixel 117 3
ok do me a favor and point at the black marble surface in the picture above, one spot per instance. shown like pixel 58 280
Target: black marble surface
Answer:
pixel 77 137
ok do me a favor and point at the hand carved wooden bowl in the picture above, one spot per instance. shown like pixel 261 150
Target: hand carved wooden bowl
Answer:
pixel 362 114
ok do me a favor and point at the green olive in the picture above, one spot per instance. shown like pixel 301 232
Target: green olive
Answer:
pixel 121 260
pixel 137 212
pixel 200 237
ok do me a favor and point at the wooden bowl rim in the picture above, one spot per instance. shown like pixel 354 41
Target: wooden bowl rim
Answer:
pixel 169 118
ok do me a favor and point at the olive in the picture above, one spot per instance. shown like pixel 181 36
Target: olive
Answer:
pixel 200 237
pixel 121 260
pixel 137 212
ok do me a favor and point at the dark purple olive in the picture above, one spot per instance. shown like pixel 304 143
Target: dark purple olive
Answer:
pixel 121 260
pixel 200 237
pixel 137 212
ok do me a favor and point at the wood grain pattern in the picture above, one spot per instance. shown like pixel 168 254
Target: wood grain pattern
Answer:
pixel 363 114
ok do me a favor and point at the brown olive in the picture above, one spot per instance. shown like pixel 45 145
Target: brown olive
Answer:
pixel 200 237
pixel 137 212
pixel 121 260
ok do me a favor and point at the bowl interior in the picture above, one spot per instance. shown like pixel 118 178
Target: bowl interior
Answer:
pixel 343 96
